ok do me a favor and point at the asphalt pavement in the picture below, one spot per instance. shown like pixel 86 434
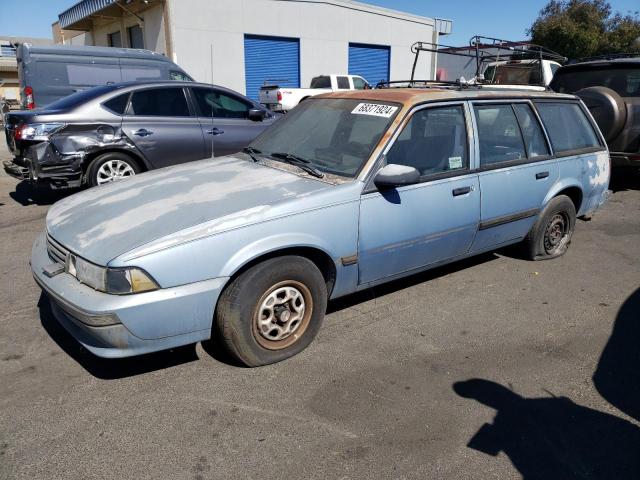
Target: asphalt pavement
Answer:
pixel 491 368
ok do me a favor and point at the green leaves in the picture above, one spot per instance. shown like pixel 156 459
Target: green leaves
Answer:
pixel 583 28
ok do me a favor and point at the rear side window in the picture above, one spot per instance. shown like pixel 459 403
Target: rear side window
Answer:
pixel 180 76
pixel 62 74
pixel 160 102
pixel 434 141
pixel 343 83
pixel 118 104
pixel 534 140
pixel 567 126
pixel 213 103
pixel 499 134
pixel 135 73
pixel 321 82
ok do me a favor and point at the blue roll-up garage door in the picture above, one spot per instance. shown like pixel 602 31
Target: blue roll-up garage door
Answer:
pixel 369 61
pixel 270 58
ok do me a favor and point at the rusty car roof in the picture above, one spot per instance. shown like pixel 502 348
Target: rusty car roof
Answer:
pixel 412 96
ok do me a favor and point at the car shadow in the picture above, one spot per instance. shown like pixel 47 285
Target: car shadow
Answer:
pixel 406 282
pixel 617 377
pixel 624 178
pixel 110 369
pixel 553 438
pixel 26 193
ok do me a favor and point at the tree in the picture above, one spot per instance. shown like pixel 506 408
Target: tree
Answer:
pixel 583 28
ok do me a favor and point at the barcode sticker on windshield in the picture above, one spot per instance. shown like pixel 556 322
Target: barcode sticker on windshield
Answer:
pixel 384 111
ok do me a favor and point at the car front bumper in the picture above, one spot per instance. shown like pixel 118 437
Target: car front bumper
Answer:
pixel 137 324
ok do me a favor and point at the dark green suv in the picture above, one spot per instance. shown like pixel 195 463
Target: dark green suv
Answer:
pixel 610 87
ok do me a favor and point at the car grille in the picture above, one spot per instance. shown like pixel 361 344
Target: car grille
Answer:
pixel 56 252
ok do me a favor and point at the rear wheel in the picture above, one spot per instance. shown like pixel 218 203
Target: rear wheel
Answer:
pixel 110 167
pixel 272 311
pixel 551 234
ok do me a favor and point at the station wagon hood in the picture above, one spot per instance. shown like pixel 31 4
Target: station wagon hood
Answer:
pixel 105 222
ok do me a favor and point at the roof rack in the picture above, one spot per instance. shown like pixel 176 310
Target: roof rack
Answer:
pixel 413 83
pixel 488 49
pixel 607 56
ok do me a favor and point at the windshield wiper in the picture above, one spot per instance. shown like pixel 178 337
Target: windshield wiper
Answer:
pixel 252 152
pixel 300 162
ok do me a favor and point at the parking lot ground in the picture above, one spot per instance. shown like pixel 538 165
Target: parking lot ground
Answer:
pixel 385 391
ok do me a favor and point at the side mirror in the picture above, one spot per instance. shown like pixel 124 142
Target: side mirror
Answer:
pixel 394 175
pixel 256 114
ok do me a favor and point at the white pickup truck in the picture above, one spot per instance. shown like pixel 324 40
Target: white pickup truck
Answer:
pixel 283 99
pixel 521 74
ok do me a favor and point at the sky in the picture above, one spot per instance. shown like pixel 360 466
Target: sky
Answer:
pixel 33 18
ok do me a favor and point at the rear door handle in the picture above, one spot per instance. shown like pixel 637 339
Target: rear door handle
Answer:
pixel 541 175
pixel 143 132
pixel 461 191
pixel 215 131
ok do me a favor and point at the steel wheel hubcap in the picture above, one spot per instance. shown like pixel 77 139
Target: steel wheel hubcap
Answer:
pixel 282 315
pixel 556 232
pixel 114 170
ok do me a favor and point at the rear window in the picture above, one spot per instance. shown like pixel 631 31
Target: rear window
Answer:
pixel 79 98
pixel 321 82
pixel 160 102
pixel 567 126
pixel 514 74
pixel 625 81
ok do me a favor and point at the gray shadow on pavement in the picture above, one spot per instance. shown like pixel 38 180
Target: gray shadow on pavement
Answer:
pixel 554 438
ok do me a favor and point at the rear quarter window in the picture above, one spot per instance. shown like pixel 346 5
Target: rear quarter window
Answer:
pixel 568 127
pixel 118 104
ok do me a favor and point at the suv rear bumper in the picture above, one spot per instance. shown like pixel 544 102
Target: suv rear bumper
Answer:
pixel 625 159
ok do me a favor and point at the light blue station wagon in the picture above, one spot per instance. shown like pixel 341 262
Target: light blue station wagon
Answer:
pixel 349 190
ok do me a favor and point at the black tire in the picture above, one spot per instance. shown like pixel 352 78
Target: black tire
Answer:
pixel 94 178
pixel 551 235
pixel 238 319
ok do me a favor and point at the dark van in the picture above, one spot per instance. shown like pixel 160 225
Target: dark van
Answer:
pixel 48 73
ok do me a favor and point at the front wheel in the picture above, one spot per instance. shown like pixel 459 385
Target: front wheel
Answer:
pixel 271 311
pixel 551 234
pixel 110 167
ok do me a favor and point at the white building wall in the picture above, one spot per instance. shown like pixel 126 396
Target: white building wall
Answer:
pixel 324 29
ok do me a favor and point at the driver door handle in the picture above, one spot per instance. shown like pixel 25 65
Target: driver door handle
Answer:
pixel 143 132
pixel 541 175
pixel 461 191
pixel 215 131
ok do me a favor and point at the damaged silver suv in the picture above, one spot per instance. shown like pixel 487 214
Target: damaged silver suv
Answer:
pixel 110 132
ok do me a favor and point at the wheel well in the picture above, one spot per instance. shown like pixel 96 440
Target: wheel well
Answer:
pixel 575 194
pixel 318 257
pixel 89 158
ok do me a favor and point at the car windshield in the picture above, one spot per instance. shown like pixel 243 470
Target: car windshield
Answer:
pixel 79 98
pixel 336 136
pixel 624 81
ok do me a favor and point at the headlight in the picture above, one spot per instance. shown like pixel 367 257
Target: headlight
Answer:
pixel 121 281
pixel 117 281
pixel 38 131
